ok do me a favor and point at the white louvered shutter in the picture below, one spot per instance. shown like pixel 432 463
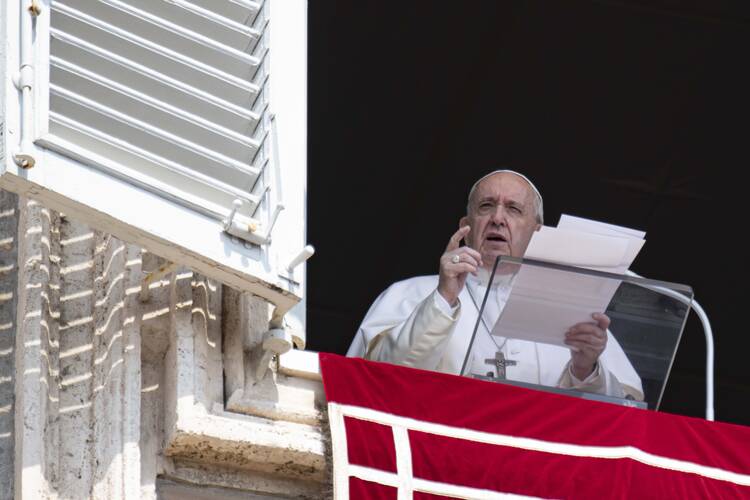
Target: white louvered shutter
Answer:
pixel 176 124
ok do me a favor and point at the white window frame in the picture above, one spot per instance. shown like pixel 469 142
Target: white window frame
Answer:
pixel 168 229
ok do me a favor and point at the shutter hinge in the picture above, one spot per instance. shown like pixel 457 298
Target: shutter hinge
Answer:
pixel 250 231
pixel 23 82
pixel 34 8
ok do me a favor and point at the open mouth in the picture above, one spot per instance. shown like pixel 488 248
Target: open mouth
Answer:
pixel 497 238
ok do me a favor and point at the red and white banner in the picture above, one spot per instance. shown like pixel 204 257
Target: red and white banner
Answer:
pixel 402 433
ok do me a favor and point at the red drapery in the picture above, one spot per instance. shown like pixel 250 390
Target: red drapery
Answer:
pixel 404 433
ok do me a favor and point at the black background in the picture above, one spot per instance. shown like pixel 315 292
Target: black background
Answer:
pixel 634 113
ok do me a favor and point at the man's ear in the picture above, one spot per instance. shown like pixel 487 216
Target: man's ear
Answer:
pixel 538 227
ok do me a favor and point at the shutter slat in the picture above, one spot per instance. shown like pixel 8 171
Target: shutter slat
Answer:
pixel 76 140
pixel 149 137
pixel 149 53
pixel 207 23
pixel 213 201
pixel 143 106
pixel 243 11
pixel 140 164
pixel 156 90
pixel 141 23
pixel 168 89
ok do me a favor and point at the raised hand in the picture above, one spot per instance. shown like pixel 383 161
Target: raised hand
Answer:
pixel 455 264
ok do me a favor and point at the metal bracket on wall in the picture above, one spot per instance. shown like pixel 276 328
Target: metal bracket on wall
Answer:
pixel 250 231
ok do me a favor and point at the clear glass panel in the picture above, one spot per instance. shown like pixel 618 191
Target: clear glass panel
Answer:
pixel 528 306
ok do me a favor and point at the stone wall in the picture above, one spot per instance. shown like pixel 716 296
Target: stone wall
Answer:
pixel 116 390
pixel 8 285
pixel 78 360
pixel 8 296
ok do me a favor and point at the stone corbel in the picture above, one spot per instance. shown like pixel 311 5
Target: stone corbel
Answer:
pixel 270 429
pixel 256 382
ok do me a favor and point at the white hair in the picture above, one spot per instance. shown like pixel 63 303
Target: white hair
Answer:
pixel 537 200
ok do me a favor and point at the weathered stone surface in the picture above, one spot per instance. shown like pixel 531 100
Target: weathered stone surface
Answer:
pixel 8 283
pixel 8 298
pixel 171 490
pixel 238 441
pixel 80 335
pixel 118 395
pixel 199 431
pixel 263 485
pixel 245 320
pixel 280 397
pixel 37 398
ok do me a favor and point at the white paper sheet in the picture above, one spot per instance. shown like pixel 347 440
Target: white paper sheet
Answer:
pixel 544 303
pixel 576 248
pixel 591 226
pixel 635 237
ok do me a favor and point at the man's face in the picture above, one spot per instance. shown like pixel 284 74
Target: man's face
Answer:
pixel 502 217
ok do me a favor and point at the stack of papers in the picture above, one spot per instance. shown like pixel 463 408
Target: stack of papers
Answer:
pixel 544 303
pixel 587 243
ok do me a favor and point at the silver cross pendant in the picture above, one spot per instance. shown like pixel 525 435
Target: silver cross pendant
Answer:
pixel 500 363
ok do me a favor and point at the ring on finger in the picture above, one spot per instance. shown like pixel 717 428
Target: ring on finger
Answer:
pixel 456 259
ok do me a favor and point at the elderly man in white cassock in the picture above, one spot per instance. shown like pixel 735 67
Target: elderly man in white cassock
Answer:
pixel 427 322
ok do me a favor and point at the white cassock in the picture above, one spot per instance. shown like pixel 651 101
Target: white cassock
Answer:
pixel 412 324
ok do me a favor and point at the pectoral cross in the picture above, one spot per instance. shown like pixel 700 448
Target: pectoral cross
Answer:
pixel 500 363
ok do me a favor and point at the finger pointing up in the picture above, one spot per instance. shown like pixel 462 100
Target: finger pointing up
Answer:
pixel 455 240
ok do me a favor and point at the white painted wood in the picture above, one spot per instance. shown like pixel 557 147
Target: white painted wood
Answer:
pixel 153 117
pixel 302 364
pixel 85 95
pixel 177 233
pixel 288 102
